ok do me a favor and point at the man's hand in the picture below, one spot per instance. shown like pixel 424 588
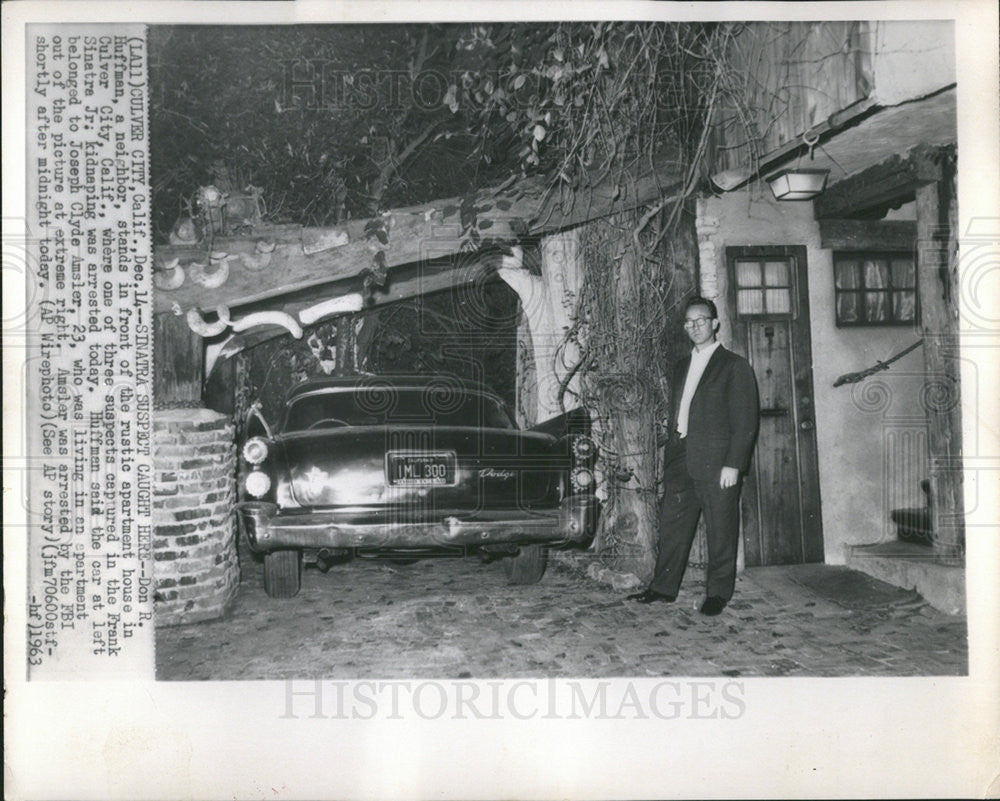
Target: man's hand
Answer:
pixel 728 477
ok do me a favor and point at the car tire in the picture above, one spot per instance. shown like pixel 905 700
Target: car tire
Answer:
pixel 283 573
pixel 527 565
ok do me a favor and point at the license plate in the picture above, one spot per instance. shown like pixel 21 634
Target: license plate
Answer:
pixel 422 469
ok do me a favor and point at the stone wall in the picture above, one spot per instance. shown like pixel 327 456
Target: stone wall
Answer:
pixel 194 544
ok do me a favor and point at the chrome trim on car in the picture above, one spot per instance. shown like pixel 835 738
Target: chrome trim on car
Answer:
pixel 572 522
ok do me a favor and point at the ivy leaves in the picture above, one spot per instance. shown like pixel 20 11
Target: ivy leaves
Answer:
pixel 333 107
pixel 539 82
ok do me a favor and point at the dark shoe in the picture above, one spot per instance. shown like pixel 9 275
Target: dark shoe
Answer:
pixel 651 596
pixel 713 606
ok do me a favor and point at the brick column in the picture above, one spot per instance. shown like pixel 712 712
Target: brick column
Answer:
pixel 194 543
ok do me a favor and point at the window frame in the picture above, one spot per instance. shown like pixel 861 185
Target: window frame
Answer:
pixel 760 256
pixel 860 255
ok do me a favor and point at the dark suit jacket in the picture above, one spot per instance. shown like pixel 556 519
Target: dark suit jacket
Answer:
pixel 722 421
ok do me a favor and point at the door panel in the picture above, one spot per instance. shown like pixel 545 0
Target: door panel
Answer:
pixel 780 501
pixel 777 481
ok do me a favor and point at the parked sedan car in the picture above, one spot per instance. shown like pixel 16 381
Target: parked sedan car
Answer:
pixel 407 467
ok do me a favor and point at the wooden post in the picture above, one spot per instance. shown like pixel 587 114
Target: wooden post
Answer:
pixel 345 343
pixel 178 362
pixel 938 287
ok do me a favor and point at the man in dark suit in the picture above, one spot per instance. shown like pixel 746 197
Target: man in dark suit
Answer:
pixel 713 426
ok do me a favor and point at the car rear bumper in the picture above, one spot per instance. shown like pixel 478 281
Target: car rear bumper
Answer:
pixel 268 530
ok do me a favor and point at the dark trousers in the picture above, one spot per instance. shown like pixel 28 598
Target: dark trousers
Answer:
pixel 684 500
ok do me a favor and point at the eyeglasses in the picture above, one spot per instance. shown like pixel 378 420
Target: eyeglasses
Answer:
pixel 696 321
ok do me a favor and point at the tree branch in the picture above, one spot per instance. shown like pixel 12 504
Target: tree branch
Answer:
pixel 394 162
pixel 861 375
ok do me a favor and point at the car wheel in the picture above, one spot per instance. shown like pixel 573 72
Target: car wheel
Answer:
pixel 282 573
pixel 527 565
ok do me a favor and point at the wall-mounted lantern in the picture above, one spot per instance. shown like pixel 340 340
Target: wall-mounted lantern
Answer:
pixel 798 183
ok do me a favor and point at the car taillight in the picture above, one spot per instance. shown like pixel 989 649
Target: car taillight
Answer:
pixel 584 448
pixel 582 479
pixel 255 450
pixel 257 484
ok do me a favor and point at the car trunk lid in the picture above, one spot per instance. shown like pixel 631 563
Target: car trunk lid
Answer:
pixel 426 467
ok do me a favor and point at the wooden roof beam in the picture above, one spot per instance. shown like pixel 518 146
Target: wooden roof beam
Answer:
pixel 893 179
pixel 315 257
pixel 874 235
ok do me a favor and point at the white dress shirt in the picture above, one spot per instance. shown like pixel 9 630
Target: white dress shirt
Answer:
pixel 699 361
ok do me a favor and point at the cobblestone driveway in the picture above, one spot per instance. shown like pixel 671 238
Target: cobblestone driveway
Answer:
pixel 457 618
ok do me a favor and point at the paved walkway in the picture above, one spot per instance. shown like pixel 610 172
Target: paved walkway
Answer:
pixel 457 618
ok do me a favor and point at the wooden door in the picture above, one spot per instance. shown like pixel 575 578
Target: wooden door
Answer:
pixel 769 307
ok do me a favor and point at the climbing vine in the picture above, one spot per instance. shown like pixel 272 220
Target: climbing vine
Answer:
pixel 557 109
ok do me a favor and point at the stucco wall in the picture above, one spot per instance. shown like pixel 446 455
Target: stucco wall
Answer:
pixel 911 58
pixel 548 304
pixel 871 436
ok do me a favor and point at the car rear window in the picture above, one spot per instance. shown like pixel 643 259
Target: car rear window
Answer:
pixel 396 406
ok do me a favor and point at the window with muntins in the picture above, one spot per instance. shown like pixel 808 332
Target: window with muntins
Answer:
pixel 875 288
pixel 764 287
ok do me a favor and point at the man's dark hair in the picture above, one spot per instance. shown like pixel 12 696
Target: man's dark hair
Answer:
pixel 698 300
